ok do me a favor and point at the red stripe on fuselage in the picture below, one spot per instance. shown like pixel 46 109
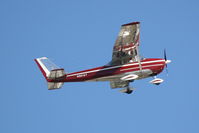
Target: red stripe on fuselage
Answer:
pixel 155 65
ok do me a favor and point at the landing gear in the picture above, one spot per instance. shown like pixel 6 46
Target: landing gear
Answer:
pixel 127 90
pixel 156 81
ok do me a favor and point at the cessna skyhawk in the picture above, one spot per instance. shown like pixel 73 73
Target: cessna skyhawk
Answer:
pixel 125 67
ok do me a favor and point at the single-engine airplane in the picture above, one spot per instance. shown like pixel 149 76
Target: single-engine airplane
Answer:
pixel 125 67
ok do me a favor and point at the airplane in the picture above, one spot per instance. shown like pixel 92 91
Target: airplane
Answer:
pixel 125 67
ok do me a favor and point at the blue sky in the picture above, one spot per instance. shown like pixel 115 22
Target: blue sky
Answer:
pixel 77 35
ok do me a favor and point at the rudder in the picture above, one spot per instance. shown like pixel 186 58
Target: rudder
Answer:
pixel 52 73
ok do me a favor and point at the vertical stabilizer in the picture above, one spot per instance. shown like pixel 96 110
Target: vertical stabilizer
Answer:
pixel 52 73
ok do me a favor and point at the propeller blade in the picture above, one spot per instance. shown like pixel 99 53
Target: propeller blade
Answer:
pixel 165 55
pixel 165 58
pixel 167 71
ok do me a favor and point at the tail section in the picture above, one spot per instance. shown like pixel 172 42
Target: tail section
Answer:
pixel 52 73
pixel 54 85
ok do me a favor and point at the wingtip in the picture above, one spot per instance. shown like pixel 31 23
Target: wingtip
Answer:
pixel 40 58
pixel 132 23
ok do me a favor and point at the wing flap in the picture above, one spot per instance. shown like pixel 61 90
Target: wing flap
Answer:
pixel 54 85
pixel 119 84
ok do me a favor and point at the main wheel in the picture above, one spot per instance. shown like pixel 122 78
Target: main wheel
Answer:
pixel 129 91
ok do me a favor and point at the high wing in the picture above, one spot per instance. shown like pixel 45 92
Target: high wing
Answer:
pixel 125 49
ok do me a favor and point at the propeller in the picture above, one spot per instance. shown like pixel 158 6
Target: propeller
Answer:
pixel 166 61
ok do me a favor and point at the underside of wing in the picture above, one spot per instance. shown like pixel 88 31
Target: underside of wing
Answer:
pixel 125 49
pixel 123 81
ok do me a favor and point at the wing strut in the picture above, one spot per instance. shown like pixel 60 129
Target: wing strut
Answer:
pixel 138 58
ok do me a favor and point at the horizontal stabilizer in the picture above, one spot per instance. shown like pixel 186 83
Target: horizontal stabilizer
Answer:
pixel 54 85
pixel 56 74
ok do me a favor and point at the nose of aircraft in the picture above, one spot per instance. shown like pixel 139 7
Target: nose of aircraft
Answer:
pixel 167 61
